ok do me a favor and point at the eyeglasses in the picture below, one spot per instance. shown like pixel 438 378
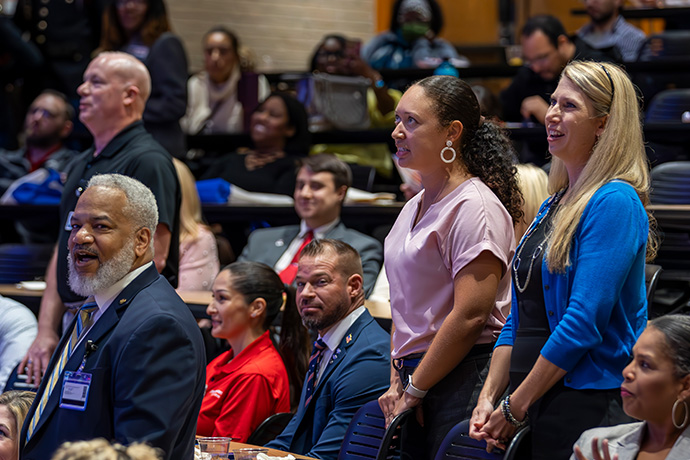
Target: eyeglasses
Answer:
pixel 42 112
pixel 539 59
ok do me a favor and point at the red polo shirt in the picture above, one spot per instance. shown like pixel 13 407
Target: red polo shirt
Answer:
pixel 241 392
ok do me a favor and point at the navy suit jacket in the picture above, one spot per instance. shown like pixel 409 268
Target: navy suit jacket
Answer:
pixel 148 376
pixel 357 374
pixel 266 245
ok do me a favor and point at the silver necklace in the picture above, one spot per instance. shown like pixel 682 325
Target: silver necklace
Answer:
pixel 537 251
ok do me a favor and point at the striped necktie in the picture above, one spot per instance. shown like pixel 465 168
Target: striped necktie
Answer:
pixel 314 361
pixel 84 322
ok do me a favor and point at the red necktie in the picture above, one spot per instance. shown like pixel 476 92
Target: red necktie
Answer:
pixel 288 274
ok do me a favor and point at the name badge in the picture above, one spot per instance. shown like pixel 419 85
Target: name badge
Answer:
pixel 75 390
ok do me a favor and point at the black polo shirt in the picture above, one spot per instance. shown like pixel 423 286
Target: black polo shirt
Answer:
pixel 134 153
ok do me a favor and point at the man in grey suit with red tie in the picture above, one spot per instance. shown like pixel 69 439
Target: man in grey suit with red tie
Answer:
pixel 131 366
pixel 322 182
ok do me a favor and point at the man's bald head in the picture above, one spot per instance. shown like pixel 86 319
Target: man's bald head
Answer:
pixel 129 70
pixel 113 95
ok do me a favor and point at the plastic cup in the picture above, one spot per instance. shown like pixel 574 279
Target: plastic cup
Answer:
pixel 213 448
pixel 249 453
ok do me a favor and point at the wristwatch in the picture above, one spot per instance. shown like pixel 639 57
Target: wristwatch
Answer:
pixel 414 391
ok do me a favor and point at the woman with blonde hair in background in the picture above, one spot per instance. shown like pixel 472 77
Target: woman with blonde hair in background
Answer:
pixel 579 297
pixel 100 449
pixel 14 405
pixel 534 185
pixel 199 263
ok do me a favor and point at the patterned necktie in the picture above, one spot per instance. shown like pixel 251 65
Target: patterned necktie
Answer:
pixel 314 361
pixel 287 275
pixel 84 322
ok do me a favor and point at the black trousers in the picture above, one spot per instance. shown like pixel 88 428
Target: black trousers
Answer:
pixel 449 402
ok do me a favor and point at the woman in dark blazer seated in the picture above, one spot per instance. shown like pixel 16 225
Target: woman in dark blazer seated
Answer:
pixel 655 390
pixel 142 29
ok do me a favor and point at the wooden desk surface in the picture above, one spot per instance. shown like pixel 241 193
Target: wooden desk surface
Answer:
pixel 197 300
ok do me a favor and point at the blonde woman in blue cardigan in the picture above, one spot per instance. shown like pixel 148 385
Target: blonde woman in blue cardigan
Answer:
pixel 579 299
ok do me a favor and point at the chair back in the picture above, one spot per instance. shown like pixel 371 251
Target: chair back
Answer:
pixel 269 429
pixel 458 445
pixel 17 382
pixel 669 44
pixel 520 447
pixel 23 262
pixel 668 106
pixel 671 183
pixel 367 437
pixel 651 278
pixel 667 47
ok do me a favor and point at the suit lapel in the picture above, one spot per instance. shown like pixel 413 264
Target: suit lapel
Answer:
pixel 340 352
pixel 105 323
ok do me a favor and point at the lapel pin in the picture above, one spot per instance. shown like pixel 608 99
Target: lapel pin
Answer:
pixel 122 301
pixel 280 243
pixel 348 339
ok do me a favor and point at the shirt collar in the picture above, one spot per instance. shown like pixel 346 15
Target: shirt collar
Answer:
pixel 319 232
pixel 106 297
pixel 335 335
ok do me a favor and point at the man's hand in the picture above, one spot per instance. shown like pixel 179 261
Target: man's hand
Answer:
pixel 35 363
pixel 534 106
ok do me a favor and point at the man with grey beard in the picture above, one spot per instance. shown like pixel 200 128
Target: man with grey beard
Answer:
pixel 131 366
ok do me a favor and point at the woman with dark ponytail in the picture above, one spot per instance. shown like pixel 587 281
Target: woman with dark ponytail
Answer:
pixel 250 381
pixel 447 257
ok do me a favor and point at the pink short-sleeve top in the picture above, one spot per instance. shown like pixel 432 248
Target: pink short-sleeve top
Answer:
pixel 422 261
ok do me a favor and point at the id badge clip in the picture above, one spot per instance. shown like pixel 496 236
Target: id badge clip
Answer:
pixel 75 385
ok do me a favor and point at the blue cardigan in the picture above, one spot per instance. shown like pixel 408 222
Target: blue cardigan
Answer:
pixel 598 307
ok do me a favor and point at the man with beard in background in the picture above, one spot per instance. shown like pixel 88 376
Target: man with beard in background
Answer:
pixel 47 124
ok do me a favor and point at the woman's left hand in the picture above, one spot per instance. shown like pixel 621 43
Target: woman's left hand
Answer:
pixel 498 432
pixel 602 454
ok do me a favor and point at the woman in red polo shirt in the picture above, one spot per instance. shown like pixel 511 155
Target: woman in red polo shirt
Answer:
pixel 249 382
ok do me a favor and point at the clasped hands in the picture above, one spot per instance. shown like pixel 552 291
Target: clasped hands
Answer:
pixel 490 425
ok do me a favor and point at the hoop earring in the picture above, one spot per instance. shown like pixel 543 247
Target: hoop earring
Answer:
pixel 673 414
pixel 449 147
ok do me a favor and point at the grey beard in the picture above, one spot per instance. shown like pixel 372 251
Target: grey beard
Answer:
pixel 109 273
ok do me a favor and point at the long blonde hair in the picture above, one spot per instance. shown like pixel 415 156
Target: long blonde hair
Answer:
pixel 617 154
pixel 190 209
pixel 533 182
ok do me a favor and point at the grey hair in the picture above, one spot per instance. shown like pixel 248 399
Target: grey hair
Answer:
pixel 141 207
pixel 676 330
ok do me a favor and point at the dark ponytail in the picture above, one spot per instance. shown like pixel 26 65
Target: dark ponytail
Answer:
pixel 294 346
pixel 484 149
